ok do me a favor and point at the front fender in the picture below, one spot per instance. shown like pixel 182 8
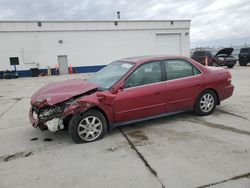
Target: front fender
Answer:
pixel 90 101
pixel 78 107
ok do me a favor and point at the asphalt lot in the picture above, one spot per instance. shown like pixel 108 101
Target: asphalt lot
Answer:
pixel 178 151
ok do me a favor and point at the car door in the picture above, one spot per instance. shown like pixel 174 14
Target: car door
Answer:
pixel 183 84
pixel 143 94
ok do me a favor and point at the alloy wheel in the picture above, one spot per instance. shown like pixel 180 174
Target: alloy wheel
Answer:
pixel 90 128
pixel 207 102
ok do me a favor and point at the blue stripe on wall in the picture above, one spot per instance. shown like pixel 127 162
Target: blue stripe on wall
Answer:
pixel 24 73
pixel 87 69
pixel 84 69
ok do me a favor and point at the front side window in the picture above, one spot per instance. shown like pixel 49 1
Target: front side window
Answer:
pixel 178 68
pixel 146 74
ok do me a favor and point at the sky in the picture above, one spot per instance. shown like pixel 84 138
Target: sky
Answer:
pixel 214 23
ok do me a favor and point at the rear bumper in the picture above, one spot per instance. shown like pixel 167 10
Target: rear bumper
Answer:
pixel 225 63
pixel 227 92
pixel 231 62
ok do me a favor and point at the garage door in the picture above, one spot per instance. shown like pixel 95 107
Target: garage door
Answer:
pixel 168 44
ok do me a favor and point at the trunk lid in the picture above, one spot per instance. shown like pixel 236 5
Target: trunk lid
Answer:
pixel 215 68
pixel 226 51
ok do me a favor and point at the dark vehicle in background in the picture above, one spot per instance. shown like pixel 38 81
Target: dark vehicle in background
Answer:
pixel 200 57
pixel 1 74
pixel 244 56
pixel 9 74
pixel 222 58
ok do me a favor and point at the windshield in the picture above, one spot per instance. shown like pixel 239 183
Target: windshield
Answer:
pixel 244 50
pixel 110 74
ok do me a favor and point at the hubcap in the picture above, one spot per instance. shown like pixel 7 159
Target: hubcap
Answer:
pixel 90 128
pixel 207 102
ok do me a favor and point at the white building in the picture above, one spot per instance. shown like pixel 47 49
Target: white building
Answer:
pixel 88 45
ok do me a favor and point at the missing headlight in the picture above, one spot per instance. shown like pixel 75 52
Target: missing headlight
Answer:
pixel 50 112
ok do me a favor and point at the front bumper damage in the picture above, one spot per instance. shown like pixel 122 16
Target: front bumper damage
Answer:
pixel 33 118
pixel 55 121
pixel 53 124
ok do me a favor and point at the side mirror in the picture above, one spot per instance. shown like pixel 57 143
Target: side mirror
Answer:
pixel 119 88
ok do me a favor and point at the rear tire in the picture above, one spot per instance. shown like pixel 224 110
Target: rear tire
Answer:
pixel 230 66
pixel 205 103
pixel 87 127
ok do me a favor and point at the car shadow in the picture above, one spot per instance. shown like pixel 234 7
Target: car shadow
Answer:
pixel 158 121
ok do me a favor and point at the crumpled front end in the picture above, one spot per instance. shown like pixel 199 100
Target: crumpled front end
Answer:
pixel 54 102
pixel 48 117
pixel 45 117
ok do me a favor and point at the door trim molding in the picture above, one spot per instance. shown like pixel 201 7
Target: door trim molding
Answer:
pixel 117 124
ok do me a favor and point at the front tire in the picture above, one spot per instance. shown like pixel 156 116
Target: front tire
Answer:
pixel 205 103
pixel 87 127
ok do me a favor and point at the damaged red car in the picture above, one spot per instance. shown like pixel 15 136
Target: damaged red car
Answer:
pixel 127 91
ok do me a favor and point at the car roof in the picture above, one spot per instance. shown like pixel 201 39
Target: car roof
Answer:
pixel 138 60
pixel 142 59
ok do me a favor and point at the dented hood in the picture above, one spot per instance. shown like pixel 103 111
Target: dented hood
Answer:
pixel 227 51
pixel 60 91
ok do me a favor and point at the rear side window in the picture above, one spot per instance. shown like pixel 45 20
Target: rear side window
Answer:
pixel 178 68
pixel 196 71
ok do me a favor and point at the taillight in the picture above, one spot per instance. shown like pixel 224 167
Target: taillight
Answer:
pixel 229 79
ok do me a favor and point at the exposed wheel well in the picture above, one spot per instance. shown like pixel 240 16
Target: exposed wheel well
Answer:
pixel 66 121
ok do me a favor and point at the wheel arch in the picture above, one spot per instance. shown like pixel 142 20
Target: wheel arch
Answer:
pixel 216 93
pixel 103 113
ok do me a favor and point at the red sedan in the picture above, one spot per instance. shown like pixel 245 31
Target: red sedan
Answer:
pixel 127 91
